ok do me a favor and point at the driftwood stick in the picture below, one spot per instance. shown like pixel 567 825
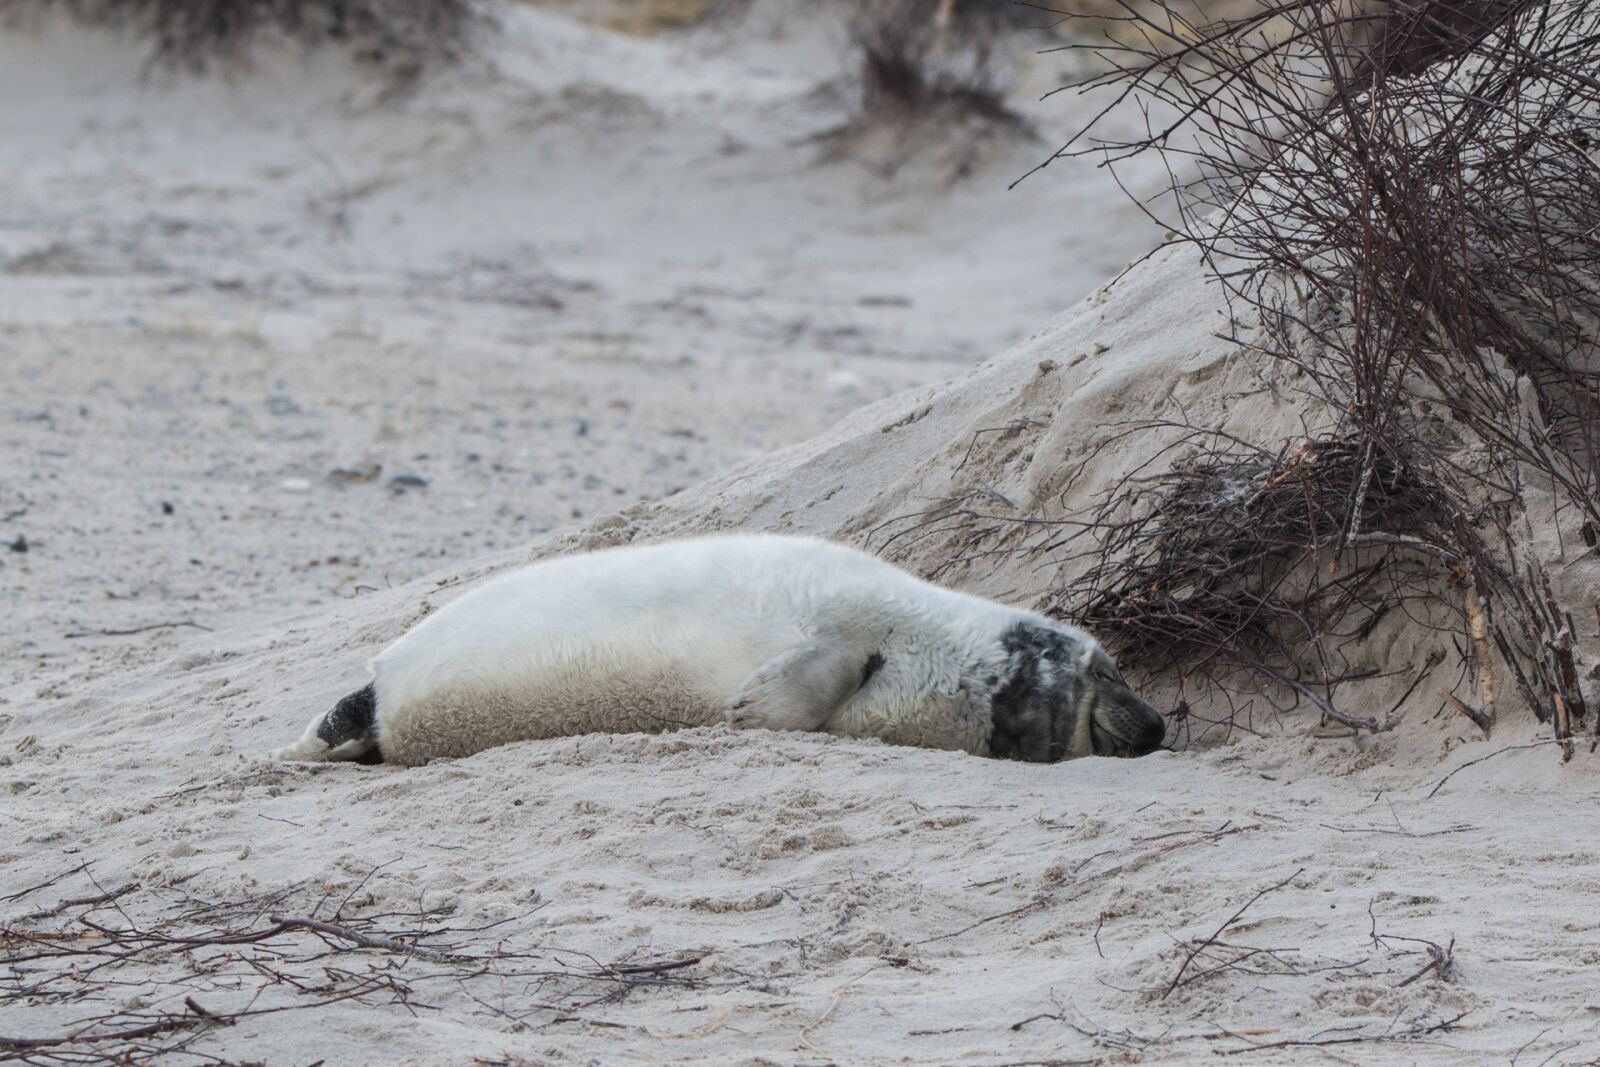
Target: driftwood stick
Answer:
pixel 164 939
pixel 1419 1030
pixel 1439 961
pixel 1443 555
pixel 653 968
pixel 1481 720
pixel 98 898
pixel 1569 670
pixel 1360 722
pixel 1478 631
pixel 1563 726
pixel 204 1013
pixel 387 944
pixel 43 885
pixel 115 1035
pixel 202 1016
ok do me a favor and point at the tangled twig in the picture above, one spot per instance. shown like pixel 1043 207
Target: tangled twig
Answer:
pixel 221 965
pixel 1399 209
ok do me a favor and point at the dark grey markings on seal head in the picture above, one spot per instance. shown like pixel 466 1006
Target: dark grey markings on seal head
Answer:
pixel 352 719
pixel 1036 709
pixel 1033 712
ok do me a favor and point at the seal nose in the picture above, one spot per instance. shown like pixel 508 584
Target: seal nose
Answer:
pixel 1136 727
pixel 1152 731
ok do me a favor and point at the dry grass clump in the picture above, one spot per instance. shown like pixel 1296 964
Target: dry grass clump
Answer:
pixel 195 35
pixel 921 58
pixel 647 18
pixel 1404 202
pixel 928 88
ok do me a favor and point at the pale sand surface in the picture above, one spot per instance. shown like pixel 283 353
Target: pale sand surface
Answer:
pixel 610 274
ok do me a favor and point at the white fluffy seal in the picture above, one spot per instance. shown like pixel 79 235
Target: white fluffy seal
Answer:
pixel 785 633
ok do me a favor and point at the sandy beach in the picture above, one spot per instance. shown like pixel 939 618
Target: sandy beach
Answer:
pixel 292 356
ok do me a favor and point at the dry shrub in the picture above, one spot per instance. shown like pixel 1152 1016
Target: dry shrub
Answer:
pixel 1108 20
pixel 1402 205
pixel 646 18
pixel 1280 562
pixel 195 35
pixel 919 58
pixel 927 90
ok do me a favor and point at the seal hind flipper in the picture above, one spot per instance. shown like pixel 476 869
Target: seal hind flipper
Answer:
pixel 350 729
pixel 347 732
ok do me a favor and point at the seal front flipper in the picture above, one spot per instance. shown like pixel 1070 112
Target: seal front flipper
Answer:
pixel 801 687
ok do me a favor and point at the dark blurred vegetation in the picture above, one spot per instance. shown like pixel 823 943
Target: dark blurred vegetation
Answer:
pixel 201 34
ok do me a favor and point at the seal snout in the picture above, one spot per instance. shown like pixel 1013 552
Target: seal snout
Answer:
pixel 1123 724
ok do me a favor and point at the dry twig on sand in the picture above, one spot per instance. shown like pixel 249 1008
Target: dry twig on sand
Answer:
pixel 1410 1033
pixel 1200 946
pixel 1497 752
pixel 137 629
pixel 217 965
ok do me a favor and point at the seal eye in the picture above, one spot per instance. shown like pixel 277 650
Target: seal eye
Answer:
pixel 1102 667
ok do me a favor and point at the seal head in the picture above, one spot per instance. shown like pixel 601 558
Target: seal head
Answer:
pixel 1063 697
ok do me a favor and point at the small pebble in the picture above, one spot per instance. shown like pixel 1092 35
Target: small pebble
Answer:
pixel 167 508
pixel 297 485
pixel 408 481
pixel 361 472
pixel 19 545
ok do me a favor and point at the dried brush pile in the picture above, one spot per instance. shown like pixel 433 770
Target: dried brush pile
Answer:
pixel 1401 203
pixel 1279 561
pixel 195 35
pixel 131 976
